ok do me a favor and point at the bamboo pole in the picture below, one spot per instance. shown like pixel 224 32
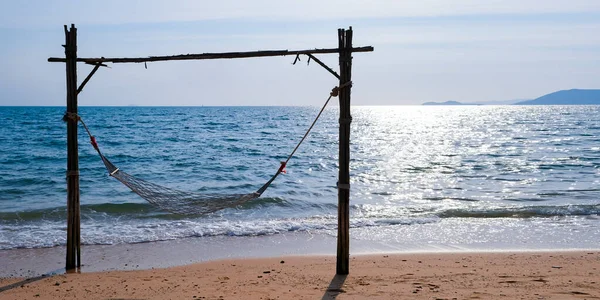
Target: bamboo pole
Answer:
pixel 343 241
pixel 73 218
pixel 224 55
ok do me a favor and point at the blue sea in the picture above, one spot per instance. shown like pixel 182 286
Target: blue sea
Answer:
pixel 468 177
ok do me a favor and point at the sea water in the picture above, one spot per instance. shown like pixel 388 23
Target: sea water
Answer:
pixel 475 177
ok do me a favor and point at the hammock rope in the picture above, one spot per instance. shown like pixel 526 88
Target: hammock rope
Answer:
pixel 188 203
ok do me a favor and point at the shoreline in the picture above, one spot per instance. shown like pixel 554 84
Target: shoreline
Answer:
pixel 174 253
pixel 459 275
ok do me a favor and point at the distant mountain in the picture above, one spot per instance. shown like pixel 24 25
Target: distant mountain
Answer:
pixel 501 102
pixel 567 97
pixel 447 103
pixel 564 97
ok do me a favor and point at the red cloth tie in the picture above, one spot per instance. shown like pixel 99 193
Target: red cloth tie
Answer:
pixel 93 142
pixel 282 167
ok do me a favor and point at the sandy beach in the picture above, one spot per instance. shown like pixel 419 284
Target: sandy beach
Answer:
pixel 502 275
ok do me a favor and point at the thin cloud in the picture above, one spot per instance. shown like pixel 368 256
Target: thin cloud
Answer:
pixel 53 13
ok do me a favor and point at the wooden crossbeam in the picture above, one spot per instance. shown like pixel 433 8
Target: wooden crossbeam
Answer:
pixel 224 55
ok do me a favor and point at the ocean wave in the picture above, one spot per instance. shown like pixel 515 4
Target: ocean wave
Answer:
pixel 450 198
pixel 523 212
pixel 116 229
pixel 501 162
pixel 141 210
pixel 119 231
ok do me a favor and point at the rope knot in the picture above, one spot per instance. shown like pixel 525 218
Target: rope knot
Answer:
pixel 335 92
pixel 71 116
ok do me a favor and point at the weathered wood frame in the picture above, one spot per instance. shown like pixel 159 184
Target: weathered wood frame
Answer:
pixel 345 50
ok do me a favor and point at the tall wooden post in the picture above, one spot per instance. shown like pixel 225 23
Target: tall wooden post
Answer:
pixel 343 242
pixel 73 217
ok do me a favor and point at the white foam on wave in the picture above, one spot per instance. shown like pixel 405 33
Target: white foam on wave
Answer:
pixel 118 230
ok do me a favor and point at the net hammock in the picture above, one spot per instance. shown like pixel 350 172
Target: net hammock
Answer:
pixel 191 203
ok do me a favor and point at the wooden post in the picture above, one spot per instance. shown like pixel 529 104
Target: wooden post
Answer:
pixel 73 217
pixel 343 242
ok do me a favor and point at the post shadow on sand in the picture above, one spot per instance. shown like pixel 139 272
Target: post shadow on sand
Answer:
pixel 30 280
pixel 335 287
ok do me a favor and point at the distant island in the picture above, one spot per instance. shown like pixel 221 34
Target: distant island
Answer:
pixel 564 97
pixel 567 97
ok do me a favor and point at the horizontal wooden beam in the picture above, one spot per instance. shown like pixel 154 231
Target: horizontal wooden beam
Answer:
pixel 225 55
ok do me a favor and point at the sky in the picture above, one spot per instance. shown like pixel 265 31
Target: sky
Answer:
pixel 425 50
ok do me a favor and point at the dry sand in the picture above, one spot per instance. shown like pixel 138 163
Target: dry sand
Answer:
pixel 516 275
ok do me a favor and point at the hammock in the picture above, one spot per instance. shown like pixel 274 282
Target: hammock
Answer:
pixel 190 203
